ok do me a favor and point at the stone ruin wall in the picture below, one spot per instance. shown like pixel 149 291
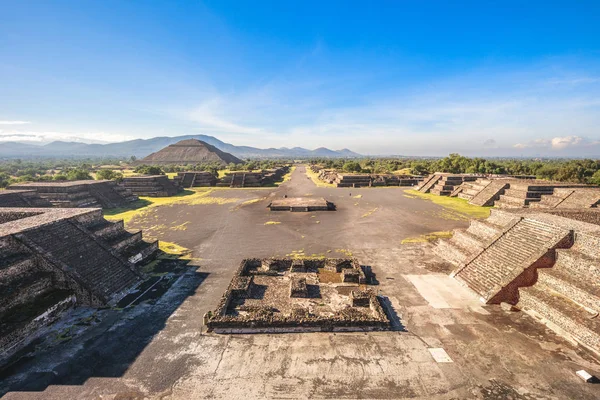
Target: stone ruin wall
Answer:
pixel 301 319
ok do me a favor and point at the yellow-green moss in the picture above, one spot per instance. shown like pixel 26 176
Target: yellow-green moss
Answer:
pixel 428 237
pixel 461 207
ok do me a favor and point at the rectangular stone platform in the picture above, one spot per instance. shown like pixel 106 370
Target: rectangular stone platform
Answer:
pixel 151 185
pixel 279 295
pixel 22 198
pixel 301 204
pixel 82 194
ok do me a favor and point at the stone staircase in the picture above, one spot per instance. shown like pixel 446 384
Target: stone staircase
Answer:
pixel 509 259
pixel 488 195
pixel 567 296
pixel 429 183
pixel 130 246
pixel 88 261
pixel 570 198
pixel 464 244
pixel 544 263
pixel 468 190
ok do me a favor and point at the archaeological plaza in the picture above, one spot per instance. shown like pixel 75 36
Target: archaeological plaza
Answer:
pixel 299 281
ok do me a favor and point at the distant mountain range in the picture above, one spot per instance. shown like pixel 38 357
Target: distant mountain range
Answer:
pixel 143 147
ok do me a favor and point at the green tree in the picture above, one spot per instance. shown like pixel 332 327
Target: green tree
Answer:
pixel 109 174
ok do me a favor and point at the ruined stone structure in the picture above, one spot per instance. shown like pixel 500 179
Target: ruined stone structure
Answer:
pixel 543 261
pixel 510 192
pixel 443 184
pixel 87 194
pixel 151 185
pixel 364 180
pixel 301 204
pixel 195 179
pixel 241 179
pixel 22 198
pixel 284 295
pixel 52 259
pixel 570 198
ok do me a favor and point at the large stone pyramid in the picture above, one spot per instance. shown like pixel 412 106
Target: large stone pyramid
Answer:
pixel 191 151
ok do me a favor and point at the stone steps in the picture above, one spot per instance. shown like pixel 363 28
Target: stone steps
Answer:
pixel 584 292
pixel 101 272
pixel 450 252
pixel 564 316
pixel 501 218
pixel 583 198
pixel 508 256
pixel 484 229
pixel 123 240
pixel 141 252
pixel 506 201
pixel 429 183
pixel 488 195
pixel 467 240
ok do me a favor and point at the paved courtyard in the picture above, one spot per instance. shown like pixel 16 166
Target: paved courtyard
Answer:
pixel 158 349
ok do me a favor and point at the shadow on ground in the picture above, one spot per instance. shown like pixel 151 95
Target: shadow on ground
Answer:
pixel 395 322
pixel 108 349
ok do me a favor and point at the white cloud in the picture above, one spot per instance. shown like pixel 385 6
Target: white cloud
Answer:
pixel 14 122
pixel 558 143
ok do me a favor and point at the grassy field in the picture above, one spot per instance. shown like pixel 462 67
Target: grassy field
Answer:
pixel 190 196
pixel 457 205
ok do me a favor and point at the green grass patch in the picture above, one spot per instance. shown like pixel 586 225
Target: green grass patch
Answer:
pixel 458 206
pixel 196 196
pixel 272 223
pixel 429 237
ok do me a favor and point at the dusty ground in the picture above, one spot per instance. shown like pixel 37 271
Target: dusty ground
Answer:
pixel 158 351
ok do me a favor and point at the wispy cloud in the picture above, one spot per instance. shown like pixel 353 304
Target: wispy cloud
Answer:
pixel 481 111
pixel 14 122
pixel 42 137
pixel 210 115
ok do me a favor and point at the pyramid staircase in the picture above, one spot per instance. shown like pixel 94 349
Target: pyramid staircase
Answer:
pixel 545 265
pixel 567 296
pixel 570 198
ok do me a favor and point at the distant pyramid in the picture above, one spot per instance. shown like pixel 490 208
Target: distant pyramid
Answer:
pixel 190 151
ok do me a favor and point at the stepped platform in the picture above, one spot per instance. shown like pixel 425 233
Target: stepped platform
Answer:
pixel 570 198
pixel 80 194
pixel 195 179
pixel 543 261
pixel 52 259
pixel 338 179
pixel 151 185
pixel 22 198
pixel 301 204
pixel 525 193
pixel 445 184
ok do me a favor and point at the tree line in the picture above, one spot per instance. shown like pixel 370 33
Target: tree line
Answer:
pixel 563 170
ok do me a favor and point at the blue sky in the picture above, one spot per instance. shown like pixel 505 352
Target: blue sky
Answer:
pixel 414 78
